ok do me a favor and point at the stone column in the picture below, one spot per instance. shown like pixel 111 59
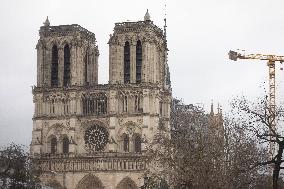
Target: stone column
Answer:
pixel 39 65
pixel 47 67
pixel 156 62
pixel 120 64
pixel 96 65
pixel 145 62
pixel 78 65
pixel 111 64
pixel 146 100
pixel 79 106
pixel 152 62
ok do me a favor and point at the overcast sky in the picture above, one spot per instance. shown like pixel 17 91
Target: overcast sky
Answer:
pixel 200 34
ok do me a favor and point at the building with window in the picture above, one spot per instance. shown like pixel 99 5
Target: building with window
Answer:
pixel 89 135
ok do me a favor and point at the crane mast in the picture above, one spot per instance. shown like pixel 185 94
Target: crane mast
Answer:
pixel 271 59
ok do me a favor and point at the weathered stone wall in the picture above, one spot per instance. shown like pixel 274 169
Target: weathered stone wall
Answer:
pixel 153 52
pixel 116 110
pixel 81 47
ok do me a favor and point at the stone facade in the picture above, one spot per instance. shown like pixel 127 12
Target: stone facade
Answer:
pixel 89 135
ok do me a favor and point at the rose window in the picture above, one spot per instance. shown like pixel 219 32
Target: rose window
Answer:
pixel 96 138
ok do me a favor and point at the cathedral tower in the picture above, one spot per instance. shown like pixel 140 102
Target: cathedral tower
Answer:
pixel 138 53
pixel 67 56
pixel 88 135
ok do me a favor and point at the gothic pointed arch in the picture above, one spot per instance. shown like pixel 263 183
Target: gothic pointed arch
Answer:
pixel 90 182
pixel 138 61
pixel 54 66
pixel 127 183
pixel 126 62
pixel 66 78
pixel 56 129
pixel 54 185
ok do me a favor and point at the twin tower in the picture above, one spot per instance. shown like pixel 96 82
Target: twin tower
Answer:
pixel 88 135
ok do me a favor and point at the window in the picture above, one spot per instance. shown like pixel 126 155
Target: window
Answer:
pixel 88 106
pixel 65 107
pixel 54 67
pixel 53 145
pixel 138 108
pixel 101 106
pixel 126 143
pixel 66 79
pixel 96 138
pixel 138 61
pixel 137 144
pixel 126 62
pixel 65 145
pixel 93 106
pixel 124 104
pixel 52 107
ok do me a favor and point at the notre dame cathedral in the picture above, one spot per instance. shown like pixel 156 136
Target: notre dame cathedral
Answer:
pixel 88 135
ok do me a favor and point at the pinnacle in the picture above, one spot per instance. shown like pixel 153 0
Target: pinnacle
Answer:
pixel 147 16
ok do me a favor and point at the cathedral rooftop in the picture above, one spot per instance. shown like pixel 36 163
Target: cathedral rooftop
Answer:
pixel 138 26
pixel 48 30
pixel 146 25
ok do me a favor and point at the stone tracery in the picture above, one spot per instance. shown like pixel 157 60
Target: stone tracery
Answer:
pixel 96 138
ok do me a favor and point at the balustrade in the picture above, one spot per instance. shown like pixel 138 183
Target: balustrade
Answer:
pixel 91 164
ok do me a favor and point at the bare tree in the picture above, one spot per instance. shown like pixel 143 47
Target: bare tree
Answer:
pixel 15 168
pixel 241 151
pixel 199 152
pixel 266 126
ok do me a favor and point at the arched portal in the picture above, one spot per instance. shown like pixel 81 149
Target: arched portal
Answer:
pixel 127 183
pixel 53 185
pixel 90 182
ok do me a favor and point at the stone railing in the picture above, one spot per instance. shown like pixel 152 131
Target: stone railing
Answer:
pixel 49 30
pixel 91 164
pixel 91 155
pixel 140 25
pixel 71 88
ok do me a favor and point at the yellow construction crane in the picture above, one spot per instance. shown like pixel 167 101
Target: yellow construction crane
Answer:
pixel 271 59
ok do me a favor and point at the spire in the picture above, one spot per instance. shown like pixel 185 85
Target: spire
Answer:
pixel 147 16
pixel 46 23
pixel 165 22
pixel 212 109
pixel 165 28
